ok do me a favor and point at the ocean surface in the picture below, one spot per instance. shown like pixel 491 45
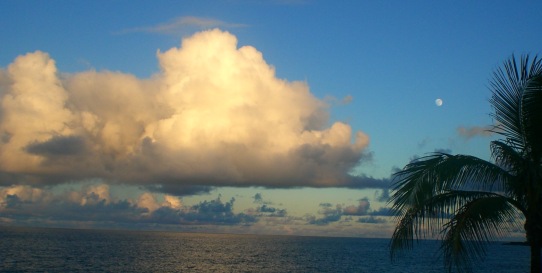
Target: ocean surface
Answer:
pixel 71 250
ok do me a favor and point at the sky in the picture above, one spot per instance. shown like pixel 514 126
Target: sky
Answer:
pixel 264 116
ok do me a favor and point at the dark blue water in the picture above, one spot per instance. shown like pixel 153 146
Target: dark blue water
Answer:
pixel 68 250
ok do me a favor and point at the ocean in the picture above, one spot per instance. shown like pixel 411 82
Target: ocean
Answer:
pixel 73 250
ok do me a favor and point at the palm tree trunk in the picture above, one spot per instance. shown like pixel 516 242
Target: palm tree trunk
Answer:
pixel 536 266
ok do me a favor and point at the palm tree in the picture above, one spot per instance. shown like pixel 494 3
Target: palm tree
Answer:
pixel 465 201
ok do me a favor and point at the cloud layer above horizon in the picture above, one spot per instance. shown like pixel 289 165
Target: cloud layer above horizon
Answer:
pixel 215 115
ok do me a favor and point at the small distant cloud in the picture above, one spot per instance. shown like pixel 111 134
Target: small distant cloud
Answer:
pixel 443 150
pixel 369 182
pixel 184 24
pixel 269 211
pixel 383 211
pixel 340 213
pixel 336 101
pixel 326 205
pixel 329 213
pixel 470 132
pixel 423 143
pixel 265 209
pixel 383 195
pixel 372 220
pixel 361 209
pixel 258 198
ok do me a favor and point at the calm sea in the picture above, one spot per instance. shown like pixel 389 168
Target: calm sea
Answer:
pixel 69 250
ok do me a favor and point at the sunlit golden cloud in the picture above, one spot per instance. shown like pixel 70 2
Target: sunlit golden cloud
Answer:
pixel 214 115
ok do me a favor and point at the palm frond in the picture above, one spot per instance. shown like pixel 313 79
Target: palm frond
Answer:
pixel 507 86
pixel 506 156
pixel 473 226
pixel 431 189
pixel 516 165
pixel 427 219
pixel 438 172
pixel 532 116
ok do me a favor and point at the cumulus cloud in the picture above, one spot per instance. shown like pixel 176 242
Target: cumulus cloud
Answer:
pixel 13 195
pixel 361 209
pixel 93 205
pixel 215 115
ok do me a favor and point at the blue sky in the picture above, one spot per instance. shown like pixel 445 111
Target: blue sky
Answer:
pixel 119 140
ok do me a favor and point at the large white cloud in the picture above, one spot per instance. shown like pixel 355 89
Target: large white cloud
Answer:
pixel 215 115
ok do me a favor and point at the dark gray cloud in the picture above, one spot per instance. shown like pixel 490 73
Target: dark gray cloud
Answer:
pixel 58 146
pixel 216 212
pixel 368 182
pixel 258 198
pixel 383 211
pixel 334 213
pixel 329 218
pixel 179 190
pixel 266 210
pixel 382 195
pixel 97 209
pixel 329 213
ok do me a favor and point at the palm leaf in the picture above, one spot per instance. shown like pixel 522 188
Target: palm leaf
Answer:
pixel 426 219
pixel 508 85
pixel 532 116
pixel 438 172
pixel 473 226
pixel 431 189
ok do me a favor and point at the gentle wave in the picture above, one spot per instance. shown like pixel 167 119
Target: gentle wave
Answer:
pixel 70 250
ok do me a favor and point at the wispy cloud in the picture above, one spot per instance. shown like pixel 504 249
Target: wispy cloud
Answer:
pixel 470 132
pixel 339 102
pixel 185 24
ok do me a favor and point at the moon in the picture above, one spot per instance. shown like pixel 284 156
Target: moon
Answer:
pixel 438 102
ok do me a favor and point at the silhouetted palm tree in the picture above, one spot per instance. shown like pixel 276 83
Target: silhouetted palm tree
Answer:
pixel 465 201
